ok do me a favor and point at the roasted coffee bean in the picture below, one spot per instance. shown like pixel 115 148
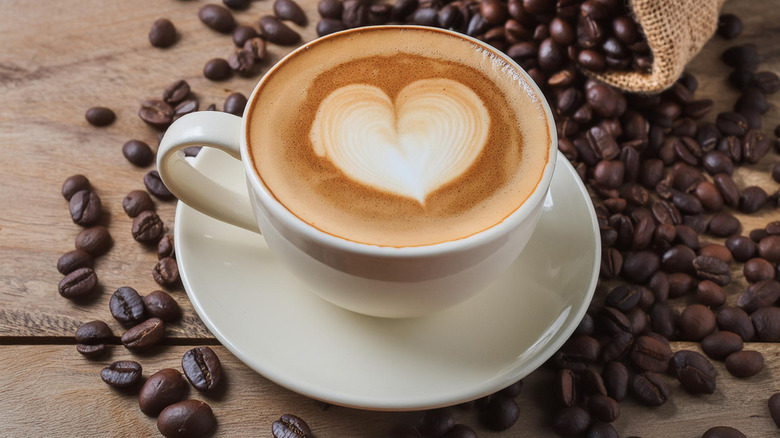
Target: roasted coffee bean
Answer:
pixel 772 228
pixel 166 272
pixel 616 379
pixel 604 407
pixel 741 247
pixel 709 196
pixel 723 432
pixel 757 269
pixel 650 389
pixel 571 421
pixel 734 319
pixel 727 188
pixel 256 46
pixel 710 294
pixel 512 390
pixel 723 225
pixel 242 34
pixel 609 174
pixel 752 199
pixel 93 333
pixel 617 347
pixel 290 426
pixel 729 26
pixel 718 251
pixel 235 104
pixel 741 78
pixel 277 32
pixel 126 306
pixel 217 18
pixel 732 123
pixel 666 213
pixel 766 82
pixel 217 69
pixel 176 92
pixel 78 283
pixel 91 351
pixel 100 116
pixel 165 247
pixel 713 269
pixel 680 284
pixel 95 240
pixel 566 388
pixel 745 363
pixel 144 335
pixel 156 113
pixel 85 208
pixel 640 266
pixel 678 259
pixel 161 389
pixel 774 408
pixel 757 295
pixel 460 431
pixel 663 319
pixel 695 373
pixel 74 184
pixel 72 260
pixel 592 383
pixel 659 286
pixel 291 11
pixel 769 248
pixel 720 345
pixel 624 298
pixel 500 413
pixel 163 33
pixel 327 26
pixel 649 354
pixel 202 368
pixel 122 374
pixel 732 147
pixel 716 162
pixel 185 107
pixel 757 235
pixel 696 322
pixel 156 187
pixel 237 5
pixel 186 419
pixel 613 320
pixel 161 305
pixel 136 202
pixel 755 145
pixel 147 227
pixel 334 8
pixel 242 62
pixel 577 352
pixel 611 263
pixel 767 323
pixel 138 153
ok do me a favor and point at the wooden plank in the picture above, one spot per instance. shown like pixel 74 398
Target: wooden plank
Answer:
pixel 51 390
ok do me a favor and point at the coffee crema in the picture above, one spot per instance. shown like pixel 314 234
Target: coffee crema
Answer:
pixel 398 136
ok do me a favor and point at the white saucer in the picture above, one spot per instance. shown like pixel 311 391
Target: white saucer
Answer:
pixel 270 321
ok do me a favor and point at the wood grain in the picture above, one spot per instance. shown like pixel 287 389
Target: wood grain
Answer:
pixel 59 58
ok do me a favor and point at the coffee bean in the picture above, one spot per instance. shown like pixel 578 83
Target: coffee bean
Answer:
pixel 136 202
pixel 755 145
pixel 512 390
pixel 613 321
pixel 710 294
pixel 72 260
pixel 577 352
pixel 166 272
pixel 138 153
pixel 242 62
pixel 93 333
pixel 616 378
pixel 745 363
pixel 741 247
pixel 774 408
pixel 767 323
pixel 156 187
pixel 334 8
pixel 729 26
pixel 161 389
pixel 291 11
pixel 720 345
pixel 277 32
pixel 666 213
pixel 126 306
pixel 290 426
pixel 709 196
pixel 74 184
pixel 727 188
pixel 617 347
pixel 680 284
pixel 742 56
pixel 663 319
pixel 769 248
pixel 649 354
pixel 122 374
pixel 242 34
pixel 565 388
pixel 78 283
pixel 202 368
pixel 217 69
pixel 156 113
pixel 147 227
pixel 571 421
pixel 217 18
pixel 640 266
pixel 609 174
pixel 235 103
pixel 144 335
pixel 100 116
pixel 659 286
pixel 650 389
pixel 185 107
pixel 723 225
pixel 500 413
pixel 95 240
pixel 592 383
pixel 757 235
pixel 757 269
pixel 776 172
pixel 716 162
pixel 256 46
pixel 723 432
pixel 624 298
pixel 186 419
pixel 163 33
pixel 460 431
pixel 85 208
pixel 678 259
pixel 161 305
pixel 611 263
pixel 752 199
pixel 604 408
pixel 693 371
pixel 757 295
pixel 734 319
pixel 327 26
pixel 772 228
pixel 696 322
pixel 176 92
pixel 237 5
pixel 165 247
pixel 718 251
pixel 91 351
pixel 713 269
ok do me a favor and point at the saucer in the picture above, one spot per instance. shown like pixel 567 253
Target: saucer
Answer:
pixel 270 321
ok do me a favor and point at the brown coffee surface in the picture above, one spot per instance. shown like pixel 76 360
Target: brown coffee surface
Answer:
pixel 327 194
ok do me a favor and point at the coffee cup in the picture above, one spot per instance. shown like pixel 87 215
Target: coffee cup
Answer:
pixel 397 170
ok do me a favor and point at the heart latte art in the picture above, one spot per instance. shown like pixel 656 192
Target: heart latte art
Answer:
pixel 430 135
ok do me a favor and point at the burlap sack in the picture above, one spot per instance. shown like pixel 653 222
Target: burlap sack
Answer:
pixel 675 30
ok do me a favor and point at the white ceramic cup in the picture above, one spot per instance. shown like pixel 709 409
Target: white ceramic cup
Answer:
pixel 374 280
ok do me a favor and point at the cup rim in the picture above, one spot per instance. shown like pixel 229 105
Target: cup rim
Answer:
pixel 510 222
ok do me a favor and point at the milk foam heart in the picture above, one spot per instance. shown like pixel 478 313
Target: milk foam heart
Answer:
pixel 430 135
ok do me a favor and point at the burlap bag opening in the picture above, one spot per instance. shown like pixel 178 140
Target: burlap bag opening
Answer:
pixel 675 30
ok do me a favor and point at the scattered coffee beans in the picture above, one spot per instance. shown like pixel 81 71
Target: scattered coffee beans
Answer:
pixel 723 432
pixel 161 389
pixel 122 374
pixel 290 426
pixel 78 284
pixel 166 272
pixel 766 320
pixel 156 113
pixel 95 240
pixel 72 260
pixel 91 338
pixel 235 103
pixel 165 247
pixel 277 32
pixel 156 187
pixel 745 363
pixel 147 227
pixel 720 345
pixel 138 153
pixel 144 335
pixel 202 368
pixel 217 69
pixel 290 11
pixel 650 389
pixel 161 305
pixel 85 208
pixel 163 33
pixel 571 421
pixel 100 116
pixel 126 306
pixel 136 202
pixel 436 422
pixel 499 413
pixel 693 371
pixel 774 408
pixel 217 18
pixel 74 184
pixel 186 419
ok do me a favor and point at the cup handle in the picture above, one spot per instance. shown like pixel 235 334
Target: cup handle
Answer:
pixel 214 129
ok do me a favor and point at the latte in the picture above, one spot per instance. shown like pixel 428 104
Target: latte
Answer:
pixel 398 136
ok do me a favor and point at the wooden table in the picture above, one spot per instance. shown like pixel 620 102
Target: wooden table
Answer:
pixel 58 58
